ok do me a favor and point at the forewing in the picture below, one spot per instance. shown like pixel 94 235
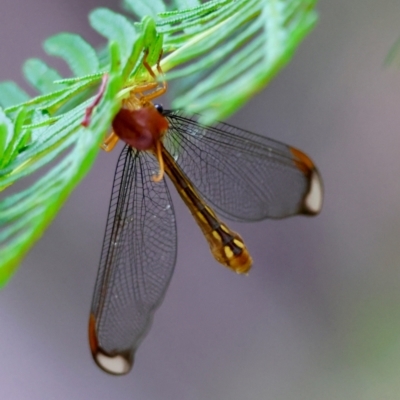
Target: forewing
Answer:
pixel 137 261
pixel 246 177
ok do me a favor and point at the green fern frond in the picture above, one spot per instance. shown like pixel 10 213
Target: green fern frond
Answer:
pixel 231 49
pixel 234 47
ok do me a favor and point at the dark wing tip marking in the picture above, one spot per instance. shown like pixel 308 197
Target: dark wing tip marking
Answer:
pixel 313 198
pixel 119 363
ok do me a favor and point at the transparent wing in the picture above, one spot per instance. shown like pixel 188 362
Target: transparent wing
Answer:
pixel 137 262
pixel 245 176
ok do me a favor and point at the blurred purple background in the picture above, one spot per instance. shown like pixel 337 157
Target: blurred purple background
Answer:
pixel 319 315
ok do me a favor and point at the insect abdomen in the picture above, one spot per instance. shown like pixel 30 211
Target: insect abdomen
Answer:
pixel 226 246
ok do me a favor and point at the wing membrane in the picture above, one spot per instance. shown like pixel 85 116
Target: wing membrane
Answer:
pixel 245 176
pixel 137 261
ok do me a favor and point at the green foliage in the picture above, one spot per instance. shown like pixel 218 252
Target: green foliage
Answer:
pixel 234 48
pixel 220 53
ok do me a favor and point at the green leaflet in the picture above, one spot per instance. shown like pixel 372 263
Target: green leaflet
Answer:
pixel 76 52
pixel 114 27
pixel 18 138
pixel 220 52
pixel 6 134
pixel 11 94
pixel 40 75
pixel 185 4
pixel 143 8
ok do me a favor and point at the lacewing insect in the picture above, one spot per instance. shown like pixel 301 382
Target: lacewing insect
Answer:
pixel 244 176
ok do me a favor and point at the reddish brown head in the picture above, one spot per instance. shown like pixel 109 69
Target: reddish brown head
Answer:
pixel 141 128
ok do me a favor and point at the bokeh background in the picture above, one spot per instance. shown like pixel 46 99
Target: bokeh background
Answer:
pixel 319 315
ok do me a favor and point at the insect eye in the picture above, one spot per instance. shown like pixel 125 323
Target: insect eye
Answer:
pixel 159 108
